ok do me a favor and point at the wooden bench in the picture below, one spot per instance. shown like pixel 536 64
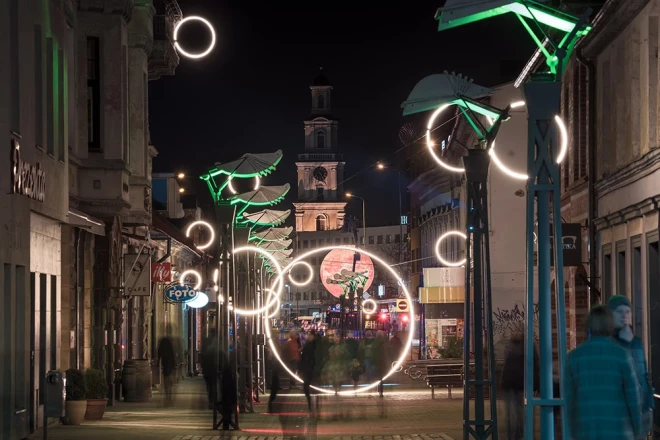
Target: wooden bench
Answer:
pixel 444 375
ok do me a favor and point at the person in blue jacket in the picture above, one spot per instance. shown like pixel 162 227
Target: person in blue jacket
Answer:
pixel 621 309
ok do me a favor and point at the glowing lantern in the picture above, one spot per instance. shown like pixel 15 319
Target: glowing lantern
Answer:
pixel 338 260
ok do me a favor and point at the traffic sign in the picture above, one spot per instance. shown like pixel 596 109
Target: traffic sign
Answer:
pixel 402 305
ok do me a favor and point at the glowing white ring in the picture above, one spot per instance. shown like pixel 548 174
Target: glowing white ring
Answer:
pixel 257 184
pixel 182 278
pixel 200 301
pixel 210 228
pixel 308 280
pixel 429 142
pixel 521 176
pixel 437 249
pixel 371 311
pixel 277 290
pixel 275 309
pixel 403 355
pixel 194 55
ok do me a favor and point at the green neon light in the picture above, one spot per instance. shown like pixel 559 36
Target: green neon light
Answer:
pixel 236 201
pixel 527 8
pixel 216 172
pixel 482 110
pixel 259 223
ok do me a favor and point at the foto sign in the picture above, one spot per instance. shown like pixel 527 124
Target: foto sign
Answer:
pixel 180 294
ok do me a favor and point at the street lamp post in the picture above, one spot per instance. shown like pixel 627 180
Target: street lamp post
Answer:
pixel 381 166
pixel 364 219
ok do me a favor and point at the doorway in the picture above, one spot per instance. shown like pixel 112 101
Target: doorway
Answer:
pixel 653 281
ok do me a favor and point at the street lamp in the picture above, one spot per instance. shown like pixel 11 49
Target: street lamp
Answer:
pixel 381 166
pixel 364 217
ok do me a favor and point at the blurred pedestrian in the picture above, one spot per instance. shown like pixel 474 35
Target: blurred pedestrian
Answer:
pixel 292 353
pixel 395 346
pixel 167 360
pixel 210 365
pixel 621 310
pixel 603 399
pixel 513 384
pixel 275 371
pixel 307 363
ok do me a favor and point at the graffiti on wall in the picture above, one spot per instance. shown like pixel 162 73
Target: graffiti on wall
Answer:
pixel 507 322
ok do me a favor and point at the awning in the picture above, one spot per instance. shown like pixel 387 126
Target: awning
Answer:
pixel 84 221
pixel 160 223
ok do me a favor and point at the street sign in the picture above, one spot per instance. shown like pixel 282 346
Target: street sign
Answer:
pixel 136 268
pixel 402 305
pixel 179 294
pixel 161 272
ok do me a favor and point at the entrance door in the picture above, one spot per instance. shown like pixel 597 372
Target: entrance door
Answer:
pixel 653 281
pixel 33 346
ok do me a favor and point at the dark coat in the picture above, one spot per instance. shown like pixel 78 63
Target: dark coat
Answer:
pixel 308 361
pixel 166 355
pixel 513 373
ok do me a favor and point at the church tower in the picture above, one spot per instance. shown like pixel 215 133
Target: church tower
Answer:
pixel 320 167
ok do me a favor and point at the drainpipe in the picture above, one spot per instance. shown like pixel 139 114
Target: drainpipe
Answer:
pixel 591 147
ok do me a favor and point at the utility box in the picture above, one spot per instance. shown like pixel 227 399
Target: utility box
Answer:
pixel 54 394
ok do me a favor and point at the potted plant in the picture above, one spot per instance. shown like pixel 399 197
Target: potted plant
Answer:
pixel 76 405
pixel 97 393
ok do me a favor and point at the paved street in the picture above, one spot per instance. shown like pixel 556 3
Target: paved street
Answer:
pixel 404 414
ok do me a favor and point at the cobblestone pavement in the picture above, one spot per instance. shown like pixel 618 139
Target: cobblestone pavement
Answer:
pixel 403 414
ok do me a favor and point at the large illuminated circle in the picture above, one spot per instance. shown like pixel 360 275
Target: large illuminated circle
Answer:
pixel 372 310
pixel 206 225
pixel 276 288
pixel 563 147
pixel 188 54
pixel 395 275
pixel 429 142
pixel 200 301
pixel 184 275
pixel 308 280
pixel 257 184
pixel 439 255
pixel 276 309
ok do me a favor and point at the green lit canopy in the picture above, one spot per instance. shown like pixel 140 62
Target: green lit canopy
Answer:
pixel 439 89
pixel 265 195
pixel 460 12
pixel 272 234
pixel 274 246
pixel 266 217
pixel 249 165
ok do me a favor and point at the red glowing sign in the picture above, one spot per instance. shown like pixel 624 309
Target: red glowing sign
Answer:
pixel 161 272
pixel 342 259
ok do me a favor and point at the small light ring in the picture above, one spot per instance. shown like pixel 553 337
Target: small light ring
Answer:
pixel 308 280
pixel 439 255
pixel 430 144
pixel 194 55
pixel 184 275
pixel 372 310
pixel 205 224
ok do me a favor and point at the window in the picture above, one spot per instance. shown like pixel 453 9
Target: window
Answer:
pixel 319 194
pixel 304 244
pixel 13 67
pixel 636 284
pixel 388 238
pixel 93 95
pixel 51 98
pixel 320 139
pixel 397 238
pixel 371 239
pixel 347 240
pixel 312 244
pixel 313 296
pixel 305 296
pixel 38 86
pixel 380 239
pixel 621 268
pixel 337 240
pixel 124 103
pixel 320 101
pixel 59 113
pixel 321 222
pixel 321 241
pixel 607 273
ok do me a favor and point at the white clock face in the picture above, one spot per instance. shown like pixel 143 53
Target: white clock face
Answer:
pixel 320 174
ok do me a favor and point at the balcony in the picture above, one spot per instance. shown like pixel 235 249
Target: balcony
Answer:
pixel 163 59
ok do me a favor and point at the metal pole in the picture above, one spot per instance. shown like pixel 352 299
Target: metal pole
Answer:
pixel 542 96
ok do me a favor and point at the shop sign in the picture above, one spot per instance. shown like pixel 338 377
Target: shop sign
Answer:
pixel 136 268
pixel 179 294
pixel 571 243
pixel 161 272
pixel 27 179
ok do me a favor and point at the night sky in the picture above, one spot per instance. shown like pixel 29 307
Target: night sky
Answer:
pixel 251 94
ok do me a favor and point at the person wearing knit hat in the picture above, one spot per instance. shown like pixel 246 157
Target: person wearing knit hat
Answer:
pixel 621 309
